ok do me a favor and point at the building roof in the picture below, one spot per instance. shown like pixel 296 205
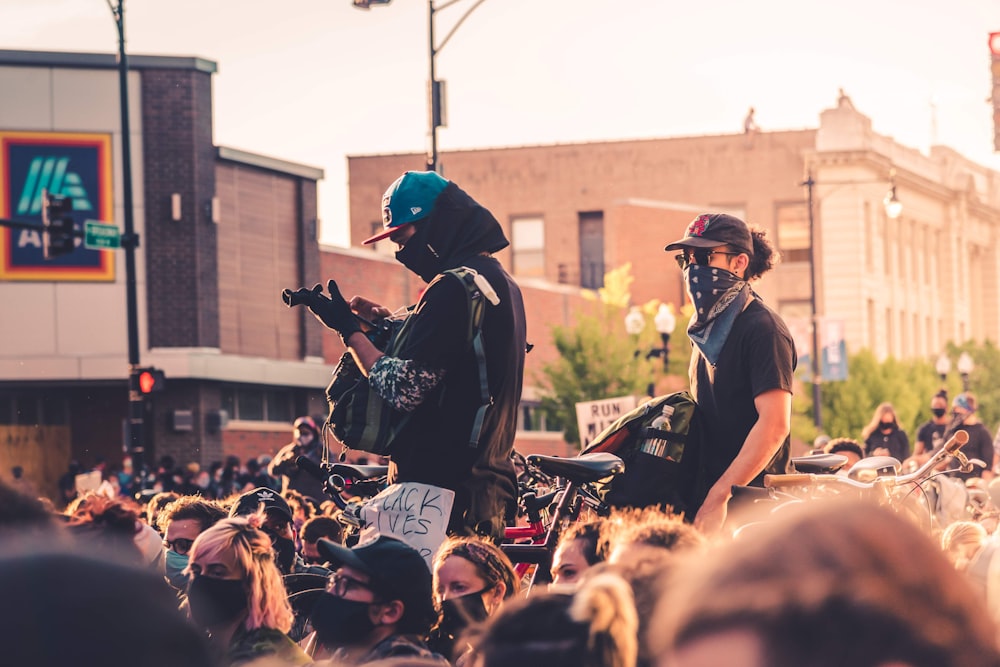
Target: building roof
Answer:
pixel 270 163
pixel 103 60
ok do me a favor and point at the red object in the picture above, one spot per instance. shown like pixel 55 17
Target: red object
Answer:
pixel 994 43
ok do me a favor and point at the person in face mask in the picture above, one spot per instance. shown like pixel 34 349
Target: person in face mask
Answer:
pixel 743 359
pixel 453 436
pixel 930 435
pixel 181 522
pixel 471 580
pixel 377 604
pixel 236 595
pixel 277 524
pixel 980 444
pixel 884 436
pixel 306 441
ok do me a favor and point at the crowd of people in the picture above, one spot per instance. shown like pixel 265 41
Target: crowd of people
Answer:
pixel 191 580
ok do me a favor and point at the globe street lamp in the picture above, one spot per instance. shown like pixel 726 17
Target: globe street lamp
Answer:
pixel 943 366
pixel 893 209
pixel 965 368
pixel 664 321
pixel 435 88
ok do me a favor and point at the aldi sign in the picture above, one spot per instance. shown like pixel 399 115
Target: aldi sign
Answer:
pixel 77 165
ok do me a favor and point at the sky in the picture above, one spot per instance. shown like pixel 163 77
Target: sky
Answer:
pixel 314 81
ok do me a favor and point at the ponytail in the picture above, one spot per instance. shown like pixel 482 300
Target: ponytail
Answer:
pixel 605 605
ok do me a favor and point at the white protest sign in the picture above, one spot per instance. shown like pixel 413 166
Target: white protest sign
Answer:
pixel 411 512
pixel 592 417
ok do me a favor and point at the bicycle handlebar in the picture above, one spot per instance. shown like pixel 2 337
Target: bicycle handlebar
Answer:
pixel 950 448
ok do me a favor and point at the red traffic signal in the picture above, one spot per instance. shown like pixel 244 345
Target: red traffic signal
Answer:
pixel 151 380
pixel 57 225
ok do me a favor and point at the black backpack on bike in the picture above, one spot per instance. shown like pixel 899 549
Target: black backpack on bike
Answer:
pixel 661 458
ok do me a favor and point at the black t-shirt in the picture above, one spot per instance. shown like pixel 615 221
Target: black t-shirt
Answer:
pixel 979 446
pixel 758 356
pixel 895 441
pixel 932 435
pixel 433 446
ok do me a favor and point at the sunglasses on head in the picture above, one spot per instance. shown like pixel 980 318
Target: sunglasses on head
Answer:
pixel 701 257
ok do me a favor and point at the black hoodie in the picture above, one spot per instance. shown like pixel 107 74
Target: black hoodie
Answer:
pixel 433 445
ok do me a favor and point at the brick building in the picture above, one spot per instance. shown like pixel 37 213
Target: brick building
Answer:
pixel 221 233
pixel 901 287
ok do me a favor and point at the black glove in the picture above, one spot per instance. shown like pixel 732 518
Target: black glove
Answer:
pixel 333 311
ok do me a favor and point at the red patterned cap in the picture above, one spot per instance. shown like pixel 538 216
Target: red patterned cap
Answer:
pixel 714 229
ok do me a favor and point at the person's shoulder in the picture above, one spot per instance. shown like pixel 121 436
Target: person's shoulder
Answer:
pixel 263 641
pixel 397 646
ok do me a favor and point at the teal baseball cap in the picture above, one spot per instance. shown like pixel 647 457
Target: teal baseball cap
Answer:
pixel 410 198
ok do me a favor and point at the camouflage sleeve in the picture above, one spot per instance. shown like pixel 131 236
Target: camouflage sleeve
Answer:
pixel 404 383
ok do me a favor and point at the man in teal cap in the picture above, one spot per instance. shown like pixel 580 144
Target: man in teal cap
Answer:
pixel 434 376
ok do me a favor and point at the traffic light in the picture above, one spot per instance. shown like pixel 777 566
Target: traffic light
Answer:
pixel 151 380
pixel 57 223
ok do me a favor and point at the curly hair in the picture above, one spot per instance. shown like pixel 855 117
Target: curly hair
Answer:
pixel 267 601
pixel 590 536
pixel 492 565
pixel 764 257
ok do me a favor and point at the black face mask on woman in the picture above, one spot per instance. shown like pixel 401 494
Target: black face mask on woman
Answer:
pixel 284 551
pixel 215 601
pixel 338 621
pixel 461 612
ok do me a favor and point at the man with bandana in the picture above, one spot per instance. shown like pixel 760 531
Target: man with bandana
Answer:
pixel 742 363
pixel 434 377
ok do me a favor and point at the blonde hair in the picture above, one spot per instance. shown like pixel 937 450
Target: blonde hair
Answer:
pixel 962 534
pixel 267 601
pixel 876 422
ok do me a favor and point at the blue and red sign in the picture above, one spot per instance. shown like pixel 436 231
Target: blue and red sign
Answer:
pixel 77 165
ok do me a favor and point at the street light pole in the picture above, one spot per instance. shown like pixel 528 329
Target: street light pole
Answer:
pixel 814 356
pixel 130 241
pixel 893 208
pixel 435 88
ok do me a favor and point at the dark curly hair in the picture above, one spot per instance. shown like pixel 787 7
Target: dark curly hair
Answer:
pixel 764 256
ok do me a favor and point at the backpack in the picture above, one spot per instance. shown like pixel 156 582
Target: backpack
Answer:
pixel 360 418
pixel 661 459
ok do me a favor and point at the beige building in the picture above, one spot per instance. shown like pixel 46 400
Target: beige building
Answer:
pixel 900 287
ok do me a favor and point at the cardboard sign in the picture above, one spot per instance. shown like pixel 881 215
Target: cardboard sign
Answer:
pixel 411 512
pixel 594 416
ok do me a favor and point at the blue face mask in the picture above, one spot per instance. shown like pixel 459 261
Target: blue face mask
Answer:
pixel 174 570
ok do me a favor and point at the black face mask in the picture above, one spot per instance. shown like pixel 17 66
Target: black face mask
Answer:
pixel 887 427
pixel 215 601
pixel 938 412
pixel 418 256
pixel 459 613
pixel 284 552
pixel 338 621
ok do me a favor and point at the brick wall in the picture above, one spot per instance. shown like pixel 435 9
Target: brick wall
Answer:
pixel 181 256
pixel 246 444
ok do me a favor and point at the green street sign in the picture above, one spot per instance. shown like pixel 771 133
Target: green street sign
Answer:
pixel 99 235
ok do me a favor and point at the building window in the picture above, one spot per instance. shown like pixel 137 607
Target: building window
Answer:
pixel 793 231
pixel 33 409
pixel 528 246
pixel 249 403
pixel 592 249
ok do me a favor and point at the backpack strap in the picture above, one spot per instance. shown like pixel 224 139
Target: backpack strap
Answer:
pixel 479 291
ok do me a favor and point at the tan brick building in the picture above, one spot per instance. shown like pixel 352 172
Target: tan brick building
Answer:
pixel 900 287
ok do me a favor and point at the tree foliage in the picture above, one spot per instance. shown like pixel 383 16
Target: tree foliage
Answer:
pixel 908 384
pixel 597 359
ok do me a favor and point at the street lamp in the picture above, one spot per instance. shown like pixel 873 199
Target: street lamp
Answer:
pixel 965 368
pixel 943 366
pixel 893 208
pixel 664 321
pixel 435 90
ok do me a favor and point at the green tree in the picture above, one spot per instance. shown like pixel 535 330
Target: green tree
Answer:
pixel 597 359
pixel 908 384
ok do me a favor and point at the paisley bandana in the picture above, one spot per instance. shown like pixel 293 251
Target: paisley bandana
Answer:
pixel 718 297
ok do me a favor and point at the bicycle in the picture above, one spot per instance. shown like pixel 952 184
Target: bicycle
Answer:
pixel 579 482
pixel 875 478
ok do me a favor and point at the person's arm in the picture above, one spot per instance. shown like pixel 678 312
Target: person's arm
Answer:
pixel 283 462
pixel 774 410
